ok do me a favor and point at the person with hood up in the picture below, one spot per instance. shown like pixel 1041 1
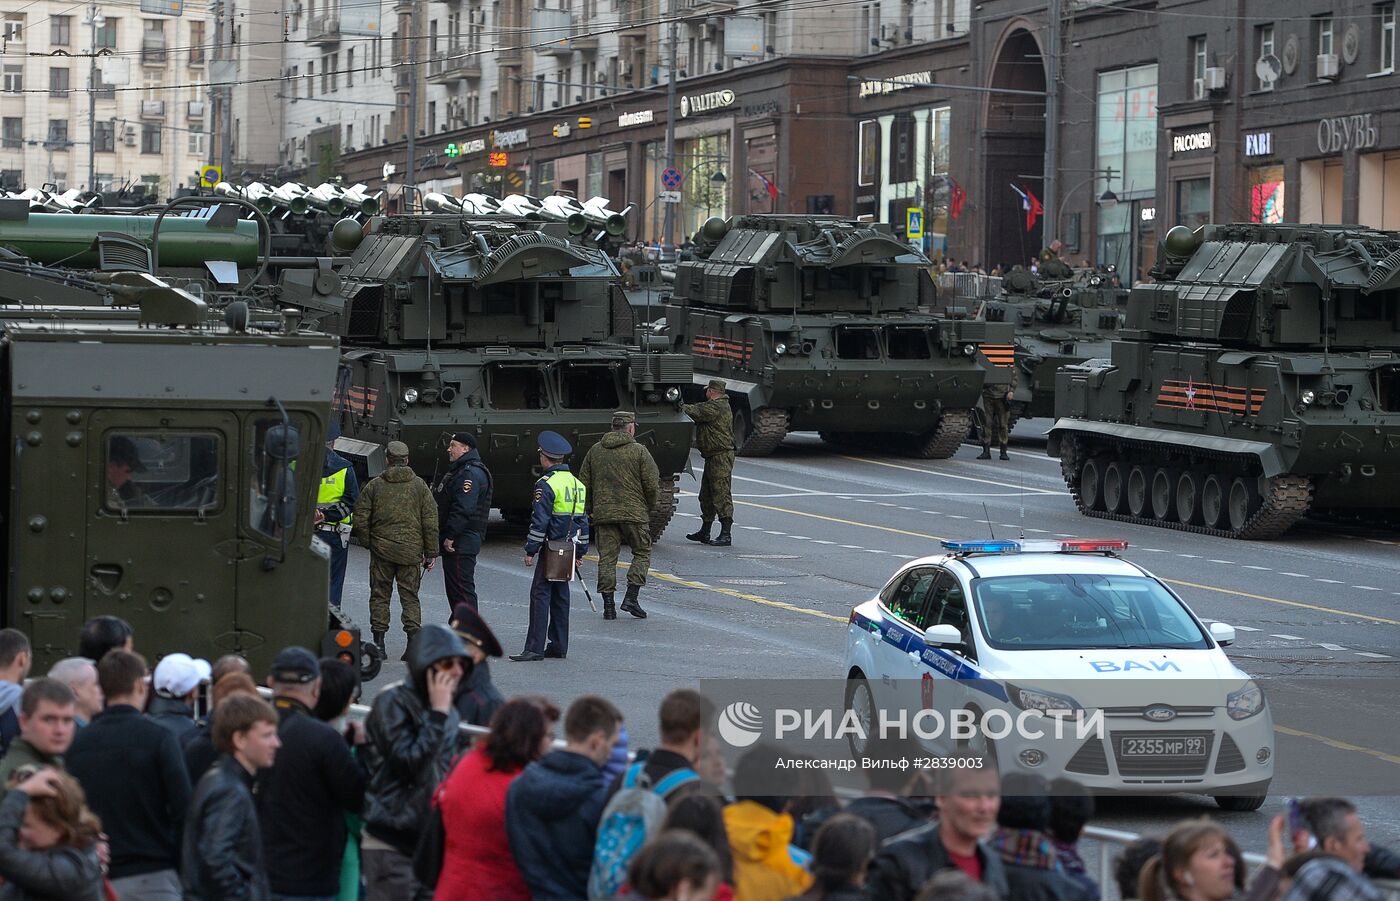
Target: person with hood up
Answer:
pixel 1033 868
pixel 623 484
pixel 553 806
pixel 412 737
pixel 397 518
pixel 767 867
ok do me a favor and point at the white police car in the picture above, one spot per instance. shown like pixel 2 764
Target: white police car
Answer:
pixel 1058 658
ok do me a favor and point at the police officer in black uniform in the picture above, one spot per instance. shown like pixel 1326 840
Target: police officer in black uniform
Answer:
pixel 464 503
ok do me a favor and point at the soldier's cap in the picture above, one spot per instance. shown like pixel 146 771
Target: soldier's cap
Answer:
pixel 123 450
pixel 466 438
pixel 624 416
pixel 295 664
pixel 397 449
pixel 553 444
pixel 471 628
pixel 718 384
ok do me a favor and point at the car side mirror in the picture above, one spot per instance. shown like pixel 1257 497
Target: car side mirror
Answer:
pixel 1223 634
pixel 942 635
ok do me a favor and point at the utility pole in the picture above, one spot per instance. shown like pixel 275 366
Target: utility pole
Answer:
pixel 670 222
pixel 92 98
pixel 1050 230
pixel 410 177
pixel 223 96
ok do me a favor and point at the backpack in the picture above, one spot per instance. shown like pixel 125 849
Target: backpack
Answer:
pixel 633 815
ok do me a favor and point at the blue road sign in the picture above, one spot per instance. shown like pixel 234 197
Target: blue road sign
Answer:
pixel 671 178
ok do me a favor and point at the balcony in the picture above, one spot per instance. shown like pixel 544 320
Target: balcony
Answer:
pixel 633 15
pixel 194 109
pixel 454 63
pixel 403 76
pixel 554 29
pixel 323 29
pixel 152 109
pixel 153 53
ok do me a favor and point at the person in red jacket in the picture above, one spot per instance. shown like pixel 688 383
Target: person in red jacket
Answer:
pixel 477 864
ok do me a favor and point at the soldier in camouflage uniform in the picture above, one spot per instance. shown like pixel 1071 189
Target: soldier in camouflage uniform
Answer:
pixel 996 417
pixel 623 484
pixel 397 517
pixel 714 435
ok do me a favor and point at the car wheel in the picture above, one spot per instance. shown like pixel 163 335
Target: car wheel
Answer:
pixel 1240 803
pixel 861 701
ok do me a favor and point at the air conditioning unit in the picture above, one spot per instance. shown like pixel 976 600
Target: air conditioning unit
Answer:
pixel 1215 78
pixel 129 138
pixel 1328 66
pixel 889 32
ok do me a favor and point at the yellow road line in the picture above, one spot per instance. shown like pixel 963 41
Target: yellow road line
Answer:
pixel 730 592
pixel 1272 600
pixel 949 475
pixel 844 522
pixel 1338 744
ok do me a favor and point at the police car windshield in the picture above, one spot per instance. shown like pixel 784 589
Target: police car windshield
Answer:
pixel 1069 612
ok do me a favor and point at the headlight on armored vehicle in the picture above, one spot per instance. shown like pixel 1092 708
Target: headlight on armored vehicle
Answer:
pixel 780 349
pixel 1245 702
pixel 673 394
pixel 1307 397
pixel 410 395
pixel 970 350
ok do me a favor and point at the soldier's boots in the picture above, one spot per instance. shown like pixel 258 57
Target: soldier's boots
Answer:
pixel 702 534
pixel 379 643
pixel 408 643
pixel 1004 454
pixel 609 609
pixel 986 452
pixel 724 538
pixel 630 605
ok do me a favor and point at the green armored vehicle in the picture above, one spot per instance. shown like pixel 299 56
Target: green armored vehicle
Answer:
pixel 1256 381
pixel 815 323
pixel 1059 321
pixel 495 324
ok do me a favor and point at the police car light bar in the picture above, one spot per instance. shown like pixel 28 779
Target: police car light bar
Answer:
pixel 982 547
pixel 1093 545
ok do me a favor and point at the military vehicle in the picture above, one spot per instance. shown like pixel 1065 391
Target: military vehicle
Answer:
pixel 1059 321
pixel 303 218
pixel 1255 382
pixel 497 324
pixel 815 323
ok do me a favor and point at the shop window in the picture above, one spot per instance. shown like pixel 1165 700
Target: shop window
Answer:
pixel 1193 202
pixel 1379 190
pixel 1320 191
pixel 1266 194
pixel 1264 42
pixel 1385 15
pixel 903 134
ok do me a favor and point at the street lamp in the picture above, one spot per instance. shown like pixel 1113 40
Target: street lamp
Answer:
pixel 95 20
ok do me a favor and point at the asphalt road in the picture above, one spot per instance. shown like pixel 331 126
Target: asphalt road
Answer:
pixel 818 531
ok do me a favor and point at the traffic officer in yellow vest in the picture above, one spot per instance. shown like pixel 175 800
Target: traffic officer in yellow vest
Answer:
pixel 558 514
pixel 335 504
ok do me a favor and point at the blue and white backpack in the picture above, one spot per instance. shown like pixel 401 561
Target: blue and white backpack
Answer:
pixel 633 815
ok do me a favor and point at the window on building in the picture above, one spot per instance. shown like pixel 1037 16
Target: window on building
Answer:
pixel 1264 42
pixel 150 138
pixel 326 74
pixel 1193 202
pixel 1385 15
pixel 153 42
pixel 198 143
pixel 432 117
pixel 1322 40
pixel 197 49
pixel 13 131
pixel 104 136
pixel 350 68
pixel 310 79
pixel 60 30
pixel 349 136
pixel 1198 68
pixel 14 79
pixel 11 179
pixel 1126 141
pixel 107 34
pixel 335 71
pixel 296 80
pixel 58 81
pixel 58 135
pixel 13 28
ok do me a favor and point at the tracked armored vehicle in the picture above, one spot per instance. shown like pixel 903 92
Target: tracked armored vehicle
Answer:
pixel 815 323
pixel 495 324
pixel 1257 381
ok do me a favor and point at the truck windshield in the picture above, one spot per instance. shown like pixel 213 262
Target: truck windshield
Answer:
pixel 1076 611
pixel 162 472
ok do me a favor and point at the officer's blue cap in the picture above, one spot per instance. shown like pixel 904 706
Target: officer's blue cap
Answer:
pixel 554 444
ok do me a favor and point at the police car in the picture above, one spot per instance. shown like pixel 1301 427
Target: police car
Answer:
pixel 1062 659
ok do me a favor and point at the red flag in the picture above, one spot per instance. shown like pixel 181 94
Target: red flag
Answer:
pixel 1033 209
pixel 957 197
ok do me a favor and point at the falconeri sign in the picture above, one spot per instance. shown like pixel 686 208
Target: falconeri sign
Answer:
pixel 705 103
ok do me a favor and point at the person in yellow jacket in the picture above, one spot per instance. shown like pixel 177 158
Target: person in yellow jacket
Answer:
pixel 767 866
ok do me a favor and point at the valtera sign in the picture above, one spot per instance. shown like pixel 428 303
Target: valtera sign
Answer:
pixel 1340 133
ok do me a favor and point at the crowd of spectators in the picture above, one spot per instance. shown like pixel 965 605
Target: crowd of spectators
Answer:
pixel 116 787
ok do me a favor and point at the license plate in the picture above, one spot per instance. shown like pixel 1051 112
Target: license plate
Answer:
pixel 1190 746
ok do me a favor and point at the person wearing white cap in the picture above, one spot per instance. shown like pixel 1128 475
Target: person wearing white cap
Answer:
pixel 176 682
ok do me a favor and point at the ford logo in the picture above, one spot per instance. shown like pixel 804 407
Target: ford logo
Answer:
pixel 1160 713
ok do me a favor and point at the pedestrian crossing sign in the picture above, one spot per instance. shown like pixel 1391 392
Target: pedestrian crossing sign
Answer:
pixel 210 176
pixel 914 222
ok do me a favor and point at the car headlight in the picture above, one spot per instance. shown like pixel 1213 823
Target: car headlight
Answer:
pixel 1044 701
pixel 673 394
pixel 780 349
pixel 410 395
pixel 1307 397
pixel 1245 702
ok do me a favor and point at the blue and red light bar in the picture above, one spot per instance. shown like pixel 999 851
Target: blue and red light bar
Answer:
pixel 1063 546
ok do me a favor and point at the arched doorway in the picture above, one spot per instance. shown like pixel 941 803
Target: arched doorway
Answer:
pixel 1014 145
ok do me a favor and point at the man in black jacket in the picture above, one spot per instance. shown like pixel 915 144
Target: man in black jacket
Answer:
pixel 134 776
pixel 463 497
pixel 304 796
pixel 222 857
pixel 412 732
pixel 967 800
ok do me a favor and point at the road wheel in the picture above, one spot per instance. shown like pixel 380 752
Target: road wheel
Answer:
pixel 1163 494
pixel 861 701
pixel 1213 500
pixel 1188 497
pixel 1091 485
pixel 1241 803
pixel 1113 487
pixel 1244 501
pixel 1139 504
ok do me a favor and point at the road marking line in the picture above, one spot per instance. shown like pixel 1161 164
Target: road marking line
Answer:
pixel 853 547
pixel 1330 647
pixel 949 475
pixel 844 522
pixel 1330 581
pixel 1190 556
pixel 1339 745
pixel 1245 629
pixel 1296 575
pixel 1374 656
pixel 745 596
pixel 1225 562
pixel 1260 568
pixel 1285 602
pixel 1287 637
pixel 1366 588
